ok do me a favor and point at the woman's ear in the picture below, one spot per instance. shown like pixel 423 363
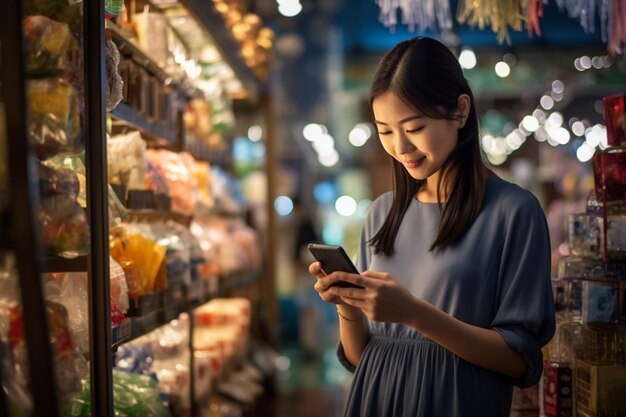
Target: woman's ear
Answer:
pixel 463 106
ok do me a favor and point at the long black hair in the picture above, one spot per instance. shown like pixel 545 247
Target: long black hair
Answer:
pixel 426 75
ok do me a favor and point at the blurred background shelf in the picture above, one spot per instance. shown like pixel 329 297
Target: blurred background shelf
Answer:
pixel 159 134
pixel 237 280
pixel 205 12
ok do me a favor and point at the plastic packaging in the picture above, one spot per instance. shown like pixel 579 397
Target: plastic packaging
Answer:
pixel 112 8
pixel 53 117
pixel 51 48
pixel 202 174
pixel 237 244
pixel 119 288
pixel 127 160
pixel 139 256
pixel 211 265
pixel 115 84
pixel 179 180
pixel 133 396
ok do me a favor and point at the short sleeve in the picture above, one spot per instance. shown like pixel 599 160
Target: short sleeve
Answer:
pixel 525 316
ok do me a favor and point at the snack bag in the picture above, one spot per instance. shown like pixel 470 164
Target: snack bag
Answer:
pixel 53 117
pixel 51 49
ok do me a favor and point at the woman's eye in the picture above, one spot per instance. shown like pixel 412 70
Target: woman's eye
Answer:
pixel 415 130
pixel 384 133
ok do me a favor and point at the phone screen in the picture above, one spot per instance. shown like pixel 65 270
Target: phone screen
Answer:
pixel 334 258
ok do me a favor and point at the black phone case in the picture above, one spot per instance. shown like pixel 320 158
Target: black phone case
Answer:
pixel 334 258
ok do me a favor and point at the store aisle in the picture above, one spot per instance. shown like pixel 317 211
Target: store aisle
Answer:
pixel 307 387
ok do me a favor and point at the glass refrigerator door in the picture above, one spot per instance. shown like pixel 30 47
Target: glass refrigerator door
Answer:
pixel 55 100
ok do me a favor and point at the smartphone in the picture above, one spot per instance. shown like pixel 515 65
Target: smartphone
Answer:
pixel 334 258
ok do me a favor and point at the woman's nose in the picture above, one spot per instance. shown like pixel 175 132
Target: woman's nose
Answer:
pixel 403 145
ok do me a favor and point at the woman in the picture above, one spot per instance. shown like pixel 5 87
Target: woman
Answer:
pixel 457 300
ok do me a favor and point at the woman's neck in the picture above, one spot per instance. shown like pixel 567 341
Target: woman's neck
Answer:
pixel 428 192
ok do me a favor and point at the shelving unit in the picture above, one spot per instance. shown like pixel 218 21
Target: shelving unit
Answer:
pixel 159 134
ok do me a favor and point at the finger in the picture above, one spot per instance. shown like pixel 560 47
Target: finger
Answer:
pixel 384 276
pixel 355 293
pixel 324 283
pixel 316 269
pixel 352 278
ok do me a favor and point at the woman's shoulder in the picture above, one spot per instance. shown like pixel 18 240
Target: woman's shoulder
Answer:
pixel 379 209
pixel 382 203
pixel 508 197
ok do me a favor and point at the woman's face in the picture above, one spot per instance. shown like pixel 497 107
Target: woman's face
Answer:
pixel 421 144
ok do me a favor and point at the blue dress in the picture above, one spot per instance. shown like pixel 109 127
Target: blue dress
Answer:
pixel 497 276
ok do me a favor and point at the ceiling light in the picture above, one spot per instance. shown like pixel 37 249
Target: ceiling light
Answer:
pixel 585 62
pixel 502 69
pixel 290 9
pixel 584 152
pixel 530 123
pixel 467 58
pixel 329 160
pixel 312 131
pixel 546 102
pixel 360 134
pixel 255 133
pixel 346 205
pixel 578 128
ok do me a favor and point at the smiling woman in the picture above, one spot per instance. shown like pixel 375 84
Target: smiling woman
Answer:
pixel 454 263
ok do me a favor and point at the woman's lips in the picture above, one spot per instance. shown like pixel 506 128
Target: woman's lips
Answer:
pixel 415 163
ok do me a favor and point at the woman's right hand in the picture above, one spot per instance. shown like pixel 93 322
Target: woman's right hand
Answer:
pixel 323 284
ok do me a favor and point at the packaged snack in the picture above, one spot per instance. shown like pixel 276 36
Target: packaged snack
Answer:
pixel 133 396
pixel 112 8
pixel 58 189
pixel 66 236
pixel 51 49
pixel 65 11
pixel 115 84
pixel 53 117
pixel 179 179
pixel 70 367
pixel 139 256
pixel 119 287
pixel 202 173
pixel 127 160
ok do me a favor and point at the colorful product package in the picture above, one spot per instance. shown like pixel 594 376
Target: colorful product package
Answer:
pixel 51 49
pixel 53 117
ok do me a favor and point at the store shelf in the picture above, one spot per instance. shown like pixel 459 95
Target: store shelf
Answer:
pixel 158 216
pixel 228 47
pixel 201 151
pixel 121 333
pixel 237 280
pixel 159 134
pixel 58 264
pixel 171 303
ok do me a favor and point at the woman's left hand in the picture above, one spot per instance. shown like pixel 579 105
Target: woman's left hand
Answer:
pixel 382 298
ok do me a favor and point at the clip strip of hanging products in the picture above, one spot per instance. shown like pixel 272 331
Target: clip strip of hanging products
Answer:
pixel 418 15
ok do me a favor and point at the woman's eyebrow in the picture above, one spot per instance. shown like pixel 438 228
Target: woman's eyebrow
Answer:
pixel 406 119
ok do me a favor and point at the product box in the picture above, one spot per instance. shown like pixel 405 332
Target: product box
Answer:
pixel 600 389
pixel 557 390
pixel 599 301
